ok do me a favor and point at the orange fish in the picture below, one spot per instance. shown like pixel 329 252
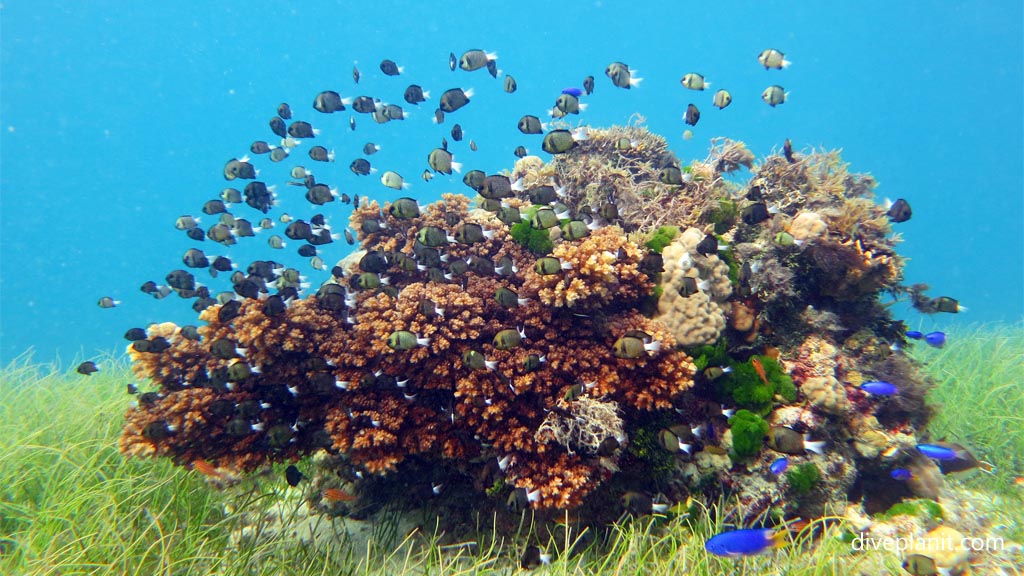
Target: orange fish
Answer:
pixel 797 525
pixel 337 495
pixel 759 369
pixel 206 469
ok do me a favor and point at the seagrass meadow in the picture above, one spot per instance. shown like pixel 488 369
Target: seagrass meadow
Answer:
pixel 70 503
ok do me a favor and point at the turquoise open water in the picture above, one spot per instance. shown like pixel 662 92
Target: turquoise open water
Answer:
pixel 118 116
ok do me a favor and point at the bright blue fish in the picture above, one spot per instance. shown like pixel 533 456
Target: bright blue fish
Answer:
pixel 779 466
pixel 937 452
pixel 573 92
pixel 745 542
pixel 936 339
pixel 914 334
pixel 879 388
pixel 901 474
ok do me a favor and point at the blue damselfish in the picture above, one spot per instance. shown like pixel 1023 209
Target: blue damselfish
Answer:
pixel 937 452
pixel 935 339
pixel 744 542
pixel 879 388
pixel 901 474
pixel 779 466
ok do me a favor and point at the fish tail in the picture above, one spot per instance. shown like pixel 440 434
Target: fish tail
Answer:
pixel 777 539
pixel 817 447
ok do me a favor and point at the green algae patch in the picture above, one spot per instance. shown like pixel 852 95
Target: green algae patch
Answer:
pixel 645 447
pixel 804 478
pixel 724 216
pixel 919 508
pixel 662 237
pixel 536 241
pixel 745 387
pixel 710 355
pixel 748 431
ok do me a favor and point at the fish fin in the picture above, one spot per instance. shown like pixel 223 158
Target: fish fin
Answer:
pixel 816 447
pixel 777 539
pixel 469 93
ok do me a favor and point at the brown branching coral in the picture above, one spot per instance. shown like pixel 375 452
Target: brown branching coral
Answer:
pixel 472 376
pixel 605 266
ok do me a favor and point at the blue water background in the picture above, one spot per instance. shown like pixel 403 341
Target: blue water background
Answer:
pixel 117 117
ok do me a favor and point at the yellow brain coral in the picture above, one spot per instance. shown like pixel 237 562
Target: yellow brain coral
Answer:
pixel 826 393
pixel 695 286
pixel 808 226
